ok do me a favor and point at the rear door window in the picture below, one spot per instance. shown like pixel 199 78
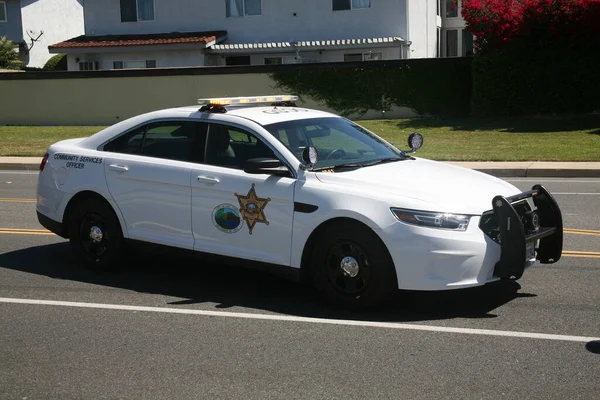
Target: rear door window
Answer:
pixel 172 140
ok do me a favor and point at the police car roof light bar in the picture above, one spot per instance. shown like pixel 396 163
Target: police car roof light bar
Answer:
pixel 227 101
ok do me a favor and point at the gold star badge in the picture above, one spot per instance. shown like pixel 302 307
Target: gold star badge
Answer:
pixel 252 208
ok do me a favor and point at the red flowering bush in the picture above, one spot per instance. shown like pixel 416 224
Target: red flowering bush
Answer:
pixel 540 24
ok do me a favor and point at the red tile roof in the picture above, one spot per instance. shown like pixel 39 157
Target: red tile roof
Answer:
pixel 141 40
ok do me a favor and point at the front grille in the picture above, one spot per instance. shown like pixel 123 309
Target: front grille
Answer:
pixel 489 220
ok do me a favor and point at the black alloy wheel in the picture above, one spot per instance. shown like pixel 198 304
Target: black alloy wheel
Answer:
pixel 348 268
pixel 351 266
pixel 95 234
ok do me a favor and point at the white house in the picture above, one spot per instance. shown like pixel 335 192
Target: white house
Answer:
pixel 35 24
pixel 179 33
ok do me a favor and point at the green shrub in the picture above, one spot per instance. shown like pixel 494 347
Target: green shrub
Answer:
pixel 428 86
pixel 9 58
pixel 557 81
pixel 57 63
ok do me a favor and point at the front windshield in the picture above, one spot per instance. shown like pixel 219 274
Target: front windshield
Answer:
pixel 338 141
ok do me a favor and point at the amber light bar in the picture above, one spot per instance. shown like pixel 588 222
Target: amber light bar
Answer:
pixel 226 101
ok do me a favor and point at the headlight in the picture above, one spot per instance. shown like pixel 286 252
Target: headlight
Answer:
pixel 430 219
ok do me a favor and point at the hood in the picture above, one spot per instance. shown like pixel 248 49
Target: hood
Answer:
pixel 429 185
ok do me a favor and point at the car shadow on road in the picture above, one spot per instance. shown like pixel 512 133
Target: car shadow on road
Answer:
pixel 223 287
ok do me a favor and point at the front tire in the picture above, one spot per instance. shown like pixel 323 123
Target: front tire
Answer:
pixel 351 266
pixel 95 235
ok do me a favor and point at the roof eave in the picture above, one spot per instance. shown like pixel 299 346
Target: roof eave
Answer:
pixel 287 47
pixel 126 48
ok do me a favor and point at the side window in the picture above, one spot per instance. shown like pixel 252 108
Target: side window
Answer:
pixel 170 140
pixel 173 140
pixel 241 137
pixel 231 147
pixel 129 143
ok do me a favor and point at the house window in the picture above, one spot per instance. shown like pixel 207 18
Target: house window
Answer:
pixel 438 43
pixel 273 61
pixel 3 16
pixel 339 5
pixel 137 10
pixel 134 64
pixel 353 57
pixel 372 56
pixel 452 43
pixel 237 60
pixel 280 60
pixel 452 8
pixel 89 65
pixel 467 43
pixel 457 43
pixel 241 8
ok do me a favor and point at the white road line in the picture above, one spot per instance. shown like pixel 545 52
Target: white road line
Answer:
pixel 18 173
pixel 551 180
pixel 325 321
pixel 583 194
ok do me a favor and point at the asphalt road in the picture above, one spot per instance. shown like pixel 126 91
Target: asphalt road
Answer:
pixel 167 328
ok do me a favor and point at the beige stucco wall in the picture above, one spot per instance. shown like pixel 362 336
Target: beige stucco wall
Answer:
pixel 104 101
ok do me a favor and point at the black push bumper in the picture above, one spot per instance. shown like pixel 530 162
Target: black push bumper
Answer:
pixel 514 225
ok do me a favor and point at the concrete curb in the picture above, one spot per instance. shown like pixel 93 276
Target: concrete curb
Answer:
pixel 19 167
pixel 20 163
pixel 533 169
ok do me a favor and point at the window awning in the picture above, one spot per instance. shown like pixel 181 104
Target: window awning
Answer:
pixel 304 45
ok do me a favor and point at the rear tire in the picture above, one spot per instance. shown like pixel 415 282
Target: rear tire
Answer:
pixel 95 235
pixel 351 266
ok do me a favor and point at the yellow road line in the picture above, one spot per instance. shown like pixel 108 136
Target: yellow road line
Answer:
pixel 597 253
pixel 581 233
pixel 7 200
pixel 24 232
pixel 581 230
pixel 24 229
pixel 580 256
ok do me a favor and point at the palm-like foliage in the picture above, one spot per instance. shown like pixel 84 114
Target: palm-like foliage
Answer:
pixel 9 58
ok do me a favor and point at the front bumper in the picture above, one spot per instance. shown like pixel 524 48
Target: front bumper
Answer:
pixel 517 231
pixel 438 259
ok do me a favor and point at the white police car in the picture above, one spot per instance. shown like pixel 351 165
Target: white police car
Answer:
pixel 295 190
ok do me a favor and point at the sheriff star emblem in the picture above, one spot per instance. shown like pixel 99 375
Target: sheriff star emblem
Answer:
pixel 252 208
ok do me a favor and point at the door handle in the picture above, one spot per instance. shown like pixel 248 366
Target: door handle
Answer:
pixel 208 179
pixel 118 168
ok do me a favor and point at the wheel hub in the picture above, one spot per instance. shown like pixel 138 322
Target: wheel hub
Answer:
pixel 350 267
pixel 96 234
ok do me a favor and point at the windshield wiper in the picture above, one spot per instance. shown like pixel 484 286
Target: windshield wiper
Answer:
pixel 339 167
pixel 357 165
pixel 383 160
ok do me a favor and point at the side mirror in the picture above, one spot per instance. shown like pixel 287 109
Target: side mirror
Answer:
pixel 310 155
pixel 269 166
pixel 415 141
